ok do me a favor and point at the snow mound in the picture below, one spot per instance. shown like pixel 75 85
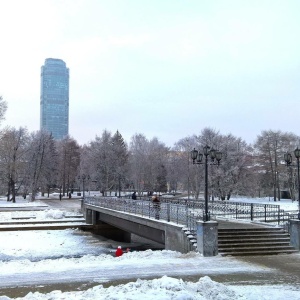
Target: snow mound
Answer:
pixel 53 214
pixel 163 288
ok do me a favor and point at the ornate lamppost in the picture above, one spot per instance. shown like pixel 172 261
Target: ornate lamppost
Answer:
pixel 288 160
pixel 83 177
pixel 197 159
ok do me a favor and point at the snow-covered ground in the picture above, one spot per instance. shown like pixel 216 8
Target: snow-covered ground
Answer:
pixel 286 204
pixel 49 257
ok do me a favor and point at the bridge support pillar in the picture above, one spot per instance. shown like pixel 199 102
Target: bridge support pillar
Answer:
pixel 89 216
pixel 207 238
pixel 295 233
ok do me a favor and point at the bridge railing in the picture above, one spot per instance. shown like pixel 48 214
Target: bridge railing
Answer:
pixel 187 212
pixel 269 213
pixel 177 213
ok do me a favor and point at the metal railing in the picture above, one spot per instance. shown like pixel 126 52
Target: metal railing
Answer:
pixel 187 212
pixel 268 213
pixel 176 213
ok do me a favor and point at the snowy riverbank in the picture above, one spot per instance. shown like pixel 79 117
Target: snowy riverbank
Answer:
pixel 39 258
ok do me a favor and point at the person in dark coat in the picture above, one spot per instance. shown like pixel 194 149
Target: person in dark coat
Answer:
pixel 156 205
pixel 133 196
pixel 119 251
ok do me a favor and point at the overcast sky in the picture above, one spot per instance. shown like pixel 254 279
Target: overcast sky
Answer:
pixel 163 68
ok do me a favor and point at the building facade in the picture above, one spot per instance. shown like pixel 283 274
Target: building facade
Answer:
pixel 54 100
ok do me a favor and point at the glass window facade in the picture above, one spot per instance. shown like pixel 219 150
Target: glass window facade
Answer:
pixel 54 101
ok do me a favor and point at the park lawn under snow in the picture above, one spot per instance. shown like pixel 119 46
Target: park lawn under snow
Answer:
pixel 24 260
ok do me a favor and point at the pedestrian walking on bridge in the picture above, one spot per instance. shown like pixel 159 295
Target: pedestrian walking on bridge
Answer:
pixel 156 205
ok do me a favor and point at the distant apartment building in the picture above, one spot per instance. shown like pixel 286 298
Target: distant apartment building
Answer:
pixel 54 101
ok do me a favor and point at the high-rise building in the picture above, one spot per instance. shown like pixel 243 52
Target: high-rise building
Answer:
pixel 54 102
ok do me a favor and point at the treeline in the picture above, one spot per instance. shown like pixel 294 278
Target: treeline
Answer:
pixel 32 162
pixel 35 162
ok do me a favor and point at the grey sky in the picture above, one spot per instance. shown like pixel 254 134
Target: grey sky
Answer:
pixel 164 68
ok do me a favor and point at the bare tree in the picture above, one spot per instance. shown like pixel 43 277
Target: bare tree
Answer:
pixel 137 160
pixel 3 108
pixel 100 162
pixel 228 177
pixel 208 137
pixel 233 174
pixel 68 163
pixel 42 162
pixel 13 147
pixel 148 164
pixel 181 174
pixel 271 146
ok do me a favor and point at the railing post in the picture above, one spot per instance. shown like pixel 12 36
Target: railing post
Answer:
pixel 265 212
pixel 251 212
pixel 187 214
pixel 294 230
pixel 168 212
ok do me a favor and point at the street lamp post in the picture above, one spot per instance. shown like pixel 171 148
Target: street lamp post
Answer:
pixel 288 160
pixel 197 159
pixel 60 196
pixel 119 185
pixel 83 177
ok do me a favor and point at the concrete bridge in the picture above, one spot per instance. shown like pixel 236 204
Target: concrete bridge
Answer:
pixel 170 225
pixel 176 226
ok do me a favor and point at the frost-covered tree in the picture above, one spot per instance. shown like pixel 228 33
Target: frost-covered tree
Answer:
pixel 3 108
pixel 271 146
pixel 157 156
pixel 181 174
pixel 161 179
pixel 137 162
pixel 100 161
pixel 13 149
pixel 208 137
pixel 41 162
pixel 148 159
pixel 120 157
pixel 228 177
pixel 233 174
pixel 68 163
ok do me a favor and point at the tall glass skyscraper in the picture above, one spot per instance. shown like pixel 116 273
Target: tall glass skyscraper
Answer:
pixel 54 102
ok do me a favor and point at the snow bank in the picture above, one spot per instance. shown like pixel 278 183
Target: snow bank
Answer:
pixel 46 214
pixel 152 261
pixel 52 214
pixel 168 288
pixel 159 289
